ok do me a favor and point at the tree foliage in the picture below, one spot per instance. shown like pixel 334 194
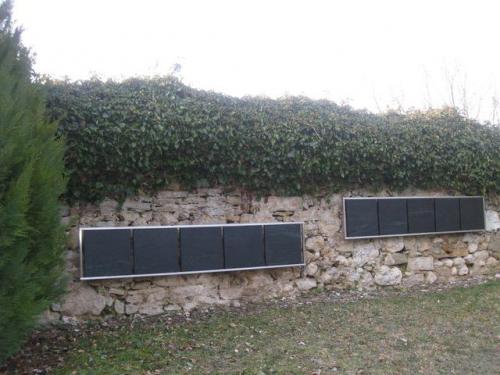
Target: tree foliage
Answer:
pixel 31 182
pixel 146 133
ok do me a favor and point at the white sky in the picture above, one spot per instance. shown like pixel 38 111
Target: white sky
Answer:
pixel 371 54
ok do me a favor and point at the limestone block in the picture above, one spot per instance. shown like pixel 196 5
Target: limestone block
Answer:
pixel 388 276
pixel 458 262
pixel 492 220
pixel 481 256
pixel 393 245
pixel 430 277
pixel 172 308
pixel 472 247
pixel 329 275
pixel 316 243
pixel 119 307
pixel 412 280
pixel 494 246
pixel 131 309
pixel 108 207
pixel 165 218
pixel 128 216
pixel 136 205
pixel 395 259
pixel 366 280
pixel 150 309
pixel 363 253
pixel 469 259
pixel 311 269
pixel 463 270
pixel 83 300
pixel 135 297
pixel 306 283
pixel 447 262
pixel 117 291
pixel 231 293
pixel 455 248
pixel 491 262
pixel 421 264
pixel 345 247
pixel 329 230
pixel 443 272
pixel 284 203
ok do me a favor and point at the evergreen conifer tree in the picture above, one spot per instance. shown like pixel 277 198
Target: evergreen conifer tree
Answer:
pixel 31 182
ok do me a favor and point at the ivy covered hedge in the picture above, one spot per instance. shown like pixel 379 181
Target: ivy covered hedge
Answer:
pixel 143 134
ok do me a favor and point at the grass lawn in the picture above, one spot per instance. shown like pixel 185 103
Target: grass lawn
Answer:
pixel 451 332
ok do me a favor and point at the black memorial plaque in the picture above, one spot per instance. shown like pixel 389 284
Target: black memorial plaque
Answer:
pixel 421 215
pixel 392 216
pixel 107 252
pixel 283 244
pixel 201 248
pixel 244 246
pixel 447 214
pixel 472 213
pixel 156 250
pixel 361 217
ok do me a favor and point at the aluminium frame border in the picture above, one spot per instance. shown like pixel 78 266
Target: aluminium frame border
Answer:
pixel 180 273
pixel 344 219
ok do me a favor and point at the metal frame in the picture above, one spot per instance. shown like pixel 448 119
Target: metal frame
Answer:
pixel 82 229
pixel 412 234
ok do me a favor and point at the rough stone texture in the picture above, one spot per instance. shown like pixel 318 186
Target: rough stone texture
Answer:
pixel 430 277
pixel 306 284
pixel 453 247
pixel 492 220
pixel 331 262
pixel 119 307
pixel 364 253
pixel 388 276
pixel 394 245
pixel 395 259
pixel 315 243
pixel 421 264
pixel 463 270
pixel 413 280
pixel 494 246
pixel 83 300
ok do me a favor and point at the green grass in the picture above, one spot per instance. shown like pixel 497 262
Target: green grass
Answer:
pixel 452 332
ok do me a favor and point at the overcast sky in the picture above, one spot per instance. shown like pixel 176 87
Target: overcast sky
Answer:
pixel 371 54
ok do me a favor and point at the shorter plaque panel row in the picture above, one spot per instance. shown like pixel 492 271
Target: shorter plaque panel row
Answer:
pixel 129 251
pixel 375 217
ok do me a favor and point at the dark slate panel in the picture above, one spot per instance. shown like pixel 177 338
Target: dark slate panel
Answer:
pixel 156 250
pixel 283 244
pixel 201 248
pixel 361 217
pixel 421 217
pixel 107 252
pixel 244 246
pixel 472 213
pixel 447 214
pixel 392 216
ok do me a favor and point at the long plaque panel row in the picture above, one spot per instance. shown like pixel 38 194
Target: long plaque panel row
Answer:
pixel 377 217
pixel 155 251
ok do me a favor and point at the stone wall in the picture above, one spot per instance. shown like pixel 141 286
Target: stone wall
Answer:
pixel 331 261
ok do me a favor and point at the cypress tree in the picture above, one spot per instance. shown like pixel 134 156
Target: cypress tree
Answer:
pixel 31 182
